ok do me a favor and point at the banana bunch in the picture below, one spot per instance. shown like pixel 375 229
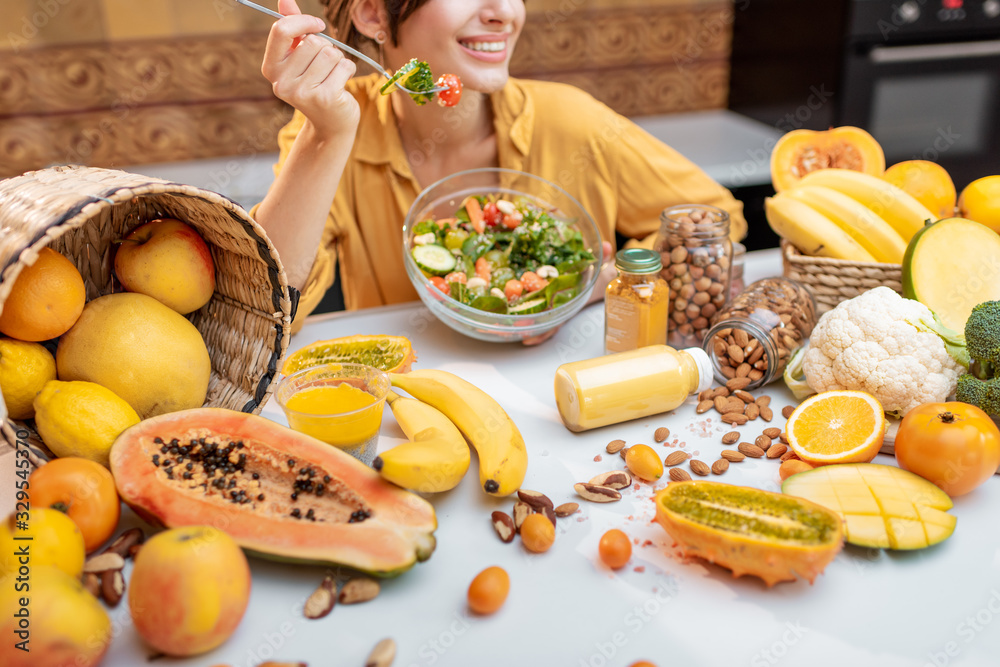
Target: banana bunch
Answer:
pixel 846 214
pixel 445 407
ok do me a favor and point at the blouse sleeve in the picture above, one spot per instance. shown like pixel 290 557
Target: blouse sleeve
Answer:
pixel 653 176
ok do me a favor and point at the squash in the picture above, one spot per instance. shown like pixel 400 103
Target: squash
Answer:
pixel 802 151
pixel 278 493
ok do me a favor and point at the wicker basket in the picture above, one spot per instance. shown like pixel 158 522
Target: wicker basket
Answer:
pixel 81 211
pixel 834 280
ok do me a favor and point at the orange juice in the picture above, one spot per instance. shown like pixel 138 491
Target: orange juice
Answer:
pixel 340 418
pixel 628 385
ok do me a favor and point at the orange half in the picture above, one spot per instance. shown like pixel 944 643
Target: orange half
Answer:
pixel 837 427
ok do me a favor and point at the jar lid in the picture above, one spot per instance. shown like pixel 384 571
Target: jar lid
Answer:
pixel 638 260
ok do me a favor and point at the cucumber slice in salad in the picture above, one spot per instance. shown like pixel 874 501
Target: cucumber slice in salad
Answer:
pixel 529 307
pixel 433 259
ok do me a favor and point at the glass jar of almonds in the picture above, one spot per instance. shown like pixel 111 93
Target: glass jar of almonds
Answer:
pixel 755 335
pixel 697 260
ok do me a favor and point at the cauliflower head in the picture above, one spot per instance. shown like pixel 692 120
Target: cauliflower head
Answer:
pixel 869 344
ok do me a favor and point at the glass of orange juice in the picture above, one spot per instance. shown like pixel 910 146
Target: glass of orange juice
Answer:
pixel 340 404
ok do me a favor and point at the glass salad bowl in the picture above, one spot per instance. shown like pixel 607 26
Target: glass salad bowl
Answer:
pixel 469 239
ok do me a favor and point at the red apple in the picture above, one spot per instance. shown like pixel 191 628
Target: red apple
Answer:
pixel 167 260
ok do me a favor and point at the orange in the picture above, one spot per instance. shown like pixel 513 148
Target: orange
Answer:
pixel 392 354
pixel 837 427
pixel 46 299
pixel 928 182
pixel 980 201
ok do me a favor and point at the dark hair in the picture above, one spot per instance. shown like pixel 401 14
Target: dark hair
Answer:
pixel 338 15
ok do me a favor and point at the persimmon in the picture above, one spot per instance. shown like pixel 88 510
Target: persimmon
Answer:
pixel 82 489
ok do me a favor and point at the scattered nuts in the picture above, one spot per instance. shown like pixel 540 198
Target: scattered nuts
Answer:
pixel 772 432
pixel 504 526
pixel 675 458
pixel 92 583
pixel 103 562
pixel 112 587
pixel 720 466
pixel 123 543
pixel 763 401
pixel 704 406
pixel 753 451
pixel 732 455
pixel 790 454
pixel 615 479
pixel 783 437
pixel 321 601
pixel 661 434
pixel 359 589
pixel 744 396
pixel 624 450
pixel 596 494
pixel 787 411
pixel 720 404
pixel 549 514
pixel 383 654
pixel 737 384
pixel 615 446
pixel 566 509
pixel 777 451
pixel 534 499
pixel 731 437
pixel 751 411
pixel 735 418
pixel 679 475
pixel 520 512
pixel 699 467
pixel 763 442
pixel 733 405
pixel 766 413
pixel 133 551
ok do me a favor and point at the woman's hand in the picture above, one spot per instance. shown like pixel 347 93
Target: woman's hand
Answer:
pixel 310 73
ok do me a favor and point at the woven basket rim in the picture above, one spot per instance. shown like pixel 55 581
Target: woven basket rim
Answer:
pixel 793 254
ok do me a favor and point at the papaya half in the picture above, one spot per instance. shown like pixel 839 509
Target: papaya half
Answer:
pixel 278 493
pixel 802 151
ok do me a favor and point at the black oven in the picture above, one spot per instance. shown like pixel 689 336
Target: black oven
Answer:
pixel 923 76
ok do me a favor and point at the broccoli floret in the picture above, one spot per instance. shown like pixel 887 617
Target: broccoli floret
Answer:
pixel 984 394
pixel 421 79
pixel 982 339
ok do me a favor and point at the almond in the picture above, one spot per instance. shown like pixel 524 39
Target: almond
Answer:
pixel 744 396
pixel 790 454
pixel 675 458
pixel 736 384
pixel 535 499
pixel 772 432
pixel 741 337
pixel 699 467
pixel 763 401
pixel 679 475
pixel 753 451
pixel 763 442
pixel 616 479
pixel 783 437
pixel 751 411
pixel 733 405
pixel 721 391
pixel 382 655
pixel 720 404
pixel 720 466
pixel 504 526
pixel 596 494
pixel 614 446
pixel 732 455
pixel 735 353
pixel 776 452
pixel 566 509
pixel 787 411
pixel 766 413
pixel 359 589
pixel 735 418
pixel 730 437
pixel 661 434
pixel 707 394
pixel 321 601
pixel 704 406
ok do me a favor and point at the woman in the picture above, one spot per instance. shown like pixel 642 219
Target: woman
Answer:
pixel 352 161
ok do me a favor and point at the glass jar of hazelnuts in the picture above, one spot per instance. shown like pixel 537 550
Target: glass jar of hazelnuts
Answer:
pixel 755 335
pixel 697 262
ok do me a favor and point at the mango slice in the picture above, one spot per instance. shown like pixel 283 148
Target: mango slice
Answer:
pixel 750 531
pixel 882 506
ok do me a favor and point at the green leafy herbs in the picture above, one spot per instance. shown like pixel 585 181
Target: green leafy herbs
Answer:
pixel 415 75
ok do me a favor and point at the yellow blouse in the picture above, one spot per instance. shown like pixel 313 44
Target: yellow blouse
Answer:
pixel 620 174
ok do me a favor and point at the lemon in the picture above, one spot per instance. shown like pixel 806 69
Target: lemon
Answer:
pixel 55 540
pixel 81 419
pixel 24 370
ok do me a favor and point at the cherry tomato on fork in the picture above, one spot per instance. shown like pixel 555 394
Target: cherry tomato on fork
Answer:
pixel 451 96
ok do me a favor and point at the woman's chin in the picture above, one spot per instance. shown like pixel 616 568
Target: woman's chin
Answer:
pixel 486 82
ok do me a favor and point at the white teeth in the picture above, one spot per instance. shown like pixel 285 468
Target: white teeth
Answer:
pixel 485 46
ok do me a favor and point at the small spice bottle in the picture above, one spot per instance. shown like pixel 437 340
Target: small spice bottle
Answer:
pixel 697 261
pixel 756 333
pixel 635 302
pixel 629 385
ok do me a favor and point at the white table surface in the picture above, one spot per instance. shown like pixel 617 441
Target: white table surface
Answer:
pixel 932 607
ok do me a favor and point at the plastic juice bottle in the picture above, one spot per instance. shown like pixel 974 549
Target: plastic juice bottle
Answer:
pixel 628 385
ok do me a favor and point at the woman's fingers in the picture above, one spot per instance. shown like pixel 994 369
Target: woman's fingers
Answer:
pixel 288 8
pixel 282 42
pixel 327 68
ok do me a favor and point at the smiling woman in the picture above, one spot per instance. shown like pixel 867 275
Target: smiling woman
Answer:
pixel 353 161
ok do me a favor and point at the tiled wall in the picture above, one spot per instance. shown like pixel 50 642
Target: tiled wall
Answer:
pixel 117 82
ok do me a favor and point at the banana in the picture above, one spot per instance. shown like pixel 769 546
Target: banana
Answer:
pixel 503 457
pixel 810 231
pixel 866 227
pixel 899 208
pixel 436 457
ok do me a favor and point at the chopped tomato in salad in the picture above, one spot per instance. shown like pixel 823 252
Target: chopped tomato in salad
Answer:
pixel 502 256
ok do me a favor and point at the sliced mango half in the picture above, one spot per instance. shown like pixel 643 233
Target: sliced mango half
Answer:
pixel 882 506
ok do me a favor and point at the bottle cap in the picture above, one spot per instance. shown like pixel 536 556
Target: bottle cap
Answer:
pixel 638 260
pixel 706 372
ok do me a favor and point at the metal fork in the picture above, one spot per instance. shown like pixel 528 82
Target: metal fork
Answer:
pixel 378 68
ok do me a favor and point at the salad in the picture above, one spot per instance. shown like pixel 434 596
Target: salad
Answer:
pixel 416 76
pixel 502 256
